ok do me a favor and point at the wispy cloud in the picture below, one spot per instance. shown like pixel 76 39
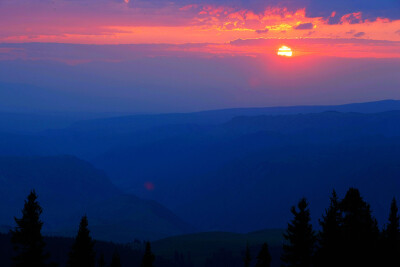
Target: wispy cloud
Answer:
pixel 359 34
pixel 262 31
pixel 304 26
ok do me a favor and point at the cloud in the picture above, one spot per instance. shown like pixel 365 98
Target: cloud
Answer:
pixel 304 26
pixel 352 18
pixel 333 20
pixel 262 31
pixel 114 22
pixel 359 34
pixel 372 9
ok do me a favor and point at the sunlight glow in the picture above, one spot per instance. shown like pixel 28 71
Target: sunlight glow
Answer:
pixel 285 51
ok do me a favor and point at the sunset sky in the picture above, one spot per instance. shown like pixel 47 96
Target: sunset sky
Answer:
pixel 177 43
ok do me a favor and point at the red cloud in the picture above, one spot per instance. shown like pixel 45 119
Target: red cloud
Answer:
pixel 352 18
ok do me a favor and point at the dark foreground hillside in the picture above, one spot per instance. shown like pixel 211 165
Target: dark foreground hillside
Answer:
pixel 180 251
pixel 225 248
pixel 347 234
pixel 58 247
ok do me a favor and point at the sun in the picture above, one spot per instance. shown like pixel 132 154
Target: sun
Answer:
pixel 285 51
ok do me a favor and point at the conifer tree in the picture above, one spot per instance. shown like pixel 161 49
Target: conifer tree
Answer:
pixel 264 257
pixel 82 253
pixel 101 261
pixel 116 260
pixel 300 238
pixel 27 238
pixel 392 237
pixel 329 249
pixel 360 231
pixel 148 257
pixel 247 257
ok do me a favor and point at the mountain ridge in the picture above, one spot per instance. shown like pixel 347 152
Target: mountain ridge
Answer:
pixel 223 115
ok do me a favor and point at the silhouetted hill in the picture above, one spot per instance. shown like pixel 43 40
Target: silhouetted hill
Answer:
pixel 126 124
pixel 195 249
pixel 59 247
pixel 201 246
pixel 69 188
pixel 126 215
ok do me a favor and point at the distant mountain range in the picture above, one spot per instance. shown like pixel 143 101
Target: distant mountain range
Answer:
pixel 211 168
pixel 59 247
pixel 25 122
pixel 126 124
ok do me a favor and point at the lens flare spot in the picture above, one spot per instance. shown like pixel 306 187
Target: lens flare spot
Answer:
pixel 285 51
pixel 149 186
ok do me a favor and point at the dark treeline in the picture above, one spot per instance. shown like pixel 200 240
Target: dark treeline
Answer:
pixel 58 249
pixel 348 236
pixel 29 246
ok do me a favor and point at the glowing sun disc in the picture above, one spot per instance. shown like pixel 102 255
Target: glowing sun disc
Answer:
pixel 285 51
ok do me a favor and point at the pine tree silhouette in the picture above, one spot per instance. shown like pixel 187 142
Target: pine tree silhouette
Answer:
pixel 300 238
pixel 101 261
pixel 27 238
pixel 360 231
pixel 330 237
pixel 148 257
pixel 82 253
pixel 392 237
pixel 247 257
pixel 264 257
pixel 116 260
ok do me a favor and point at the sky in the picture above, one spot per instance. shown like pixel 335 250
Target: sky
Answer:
pixel 188 55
